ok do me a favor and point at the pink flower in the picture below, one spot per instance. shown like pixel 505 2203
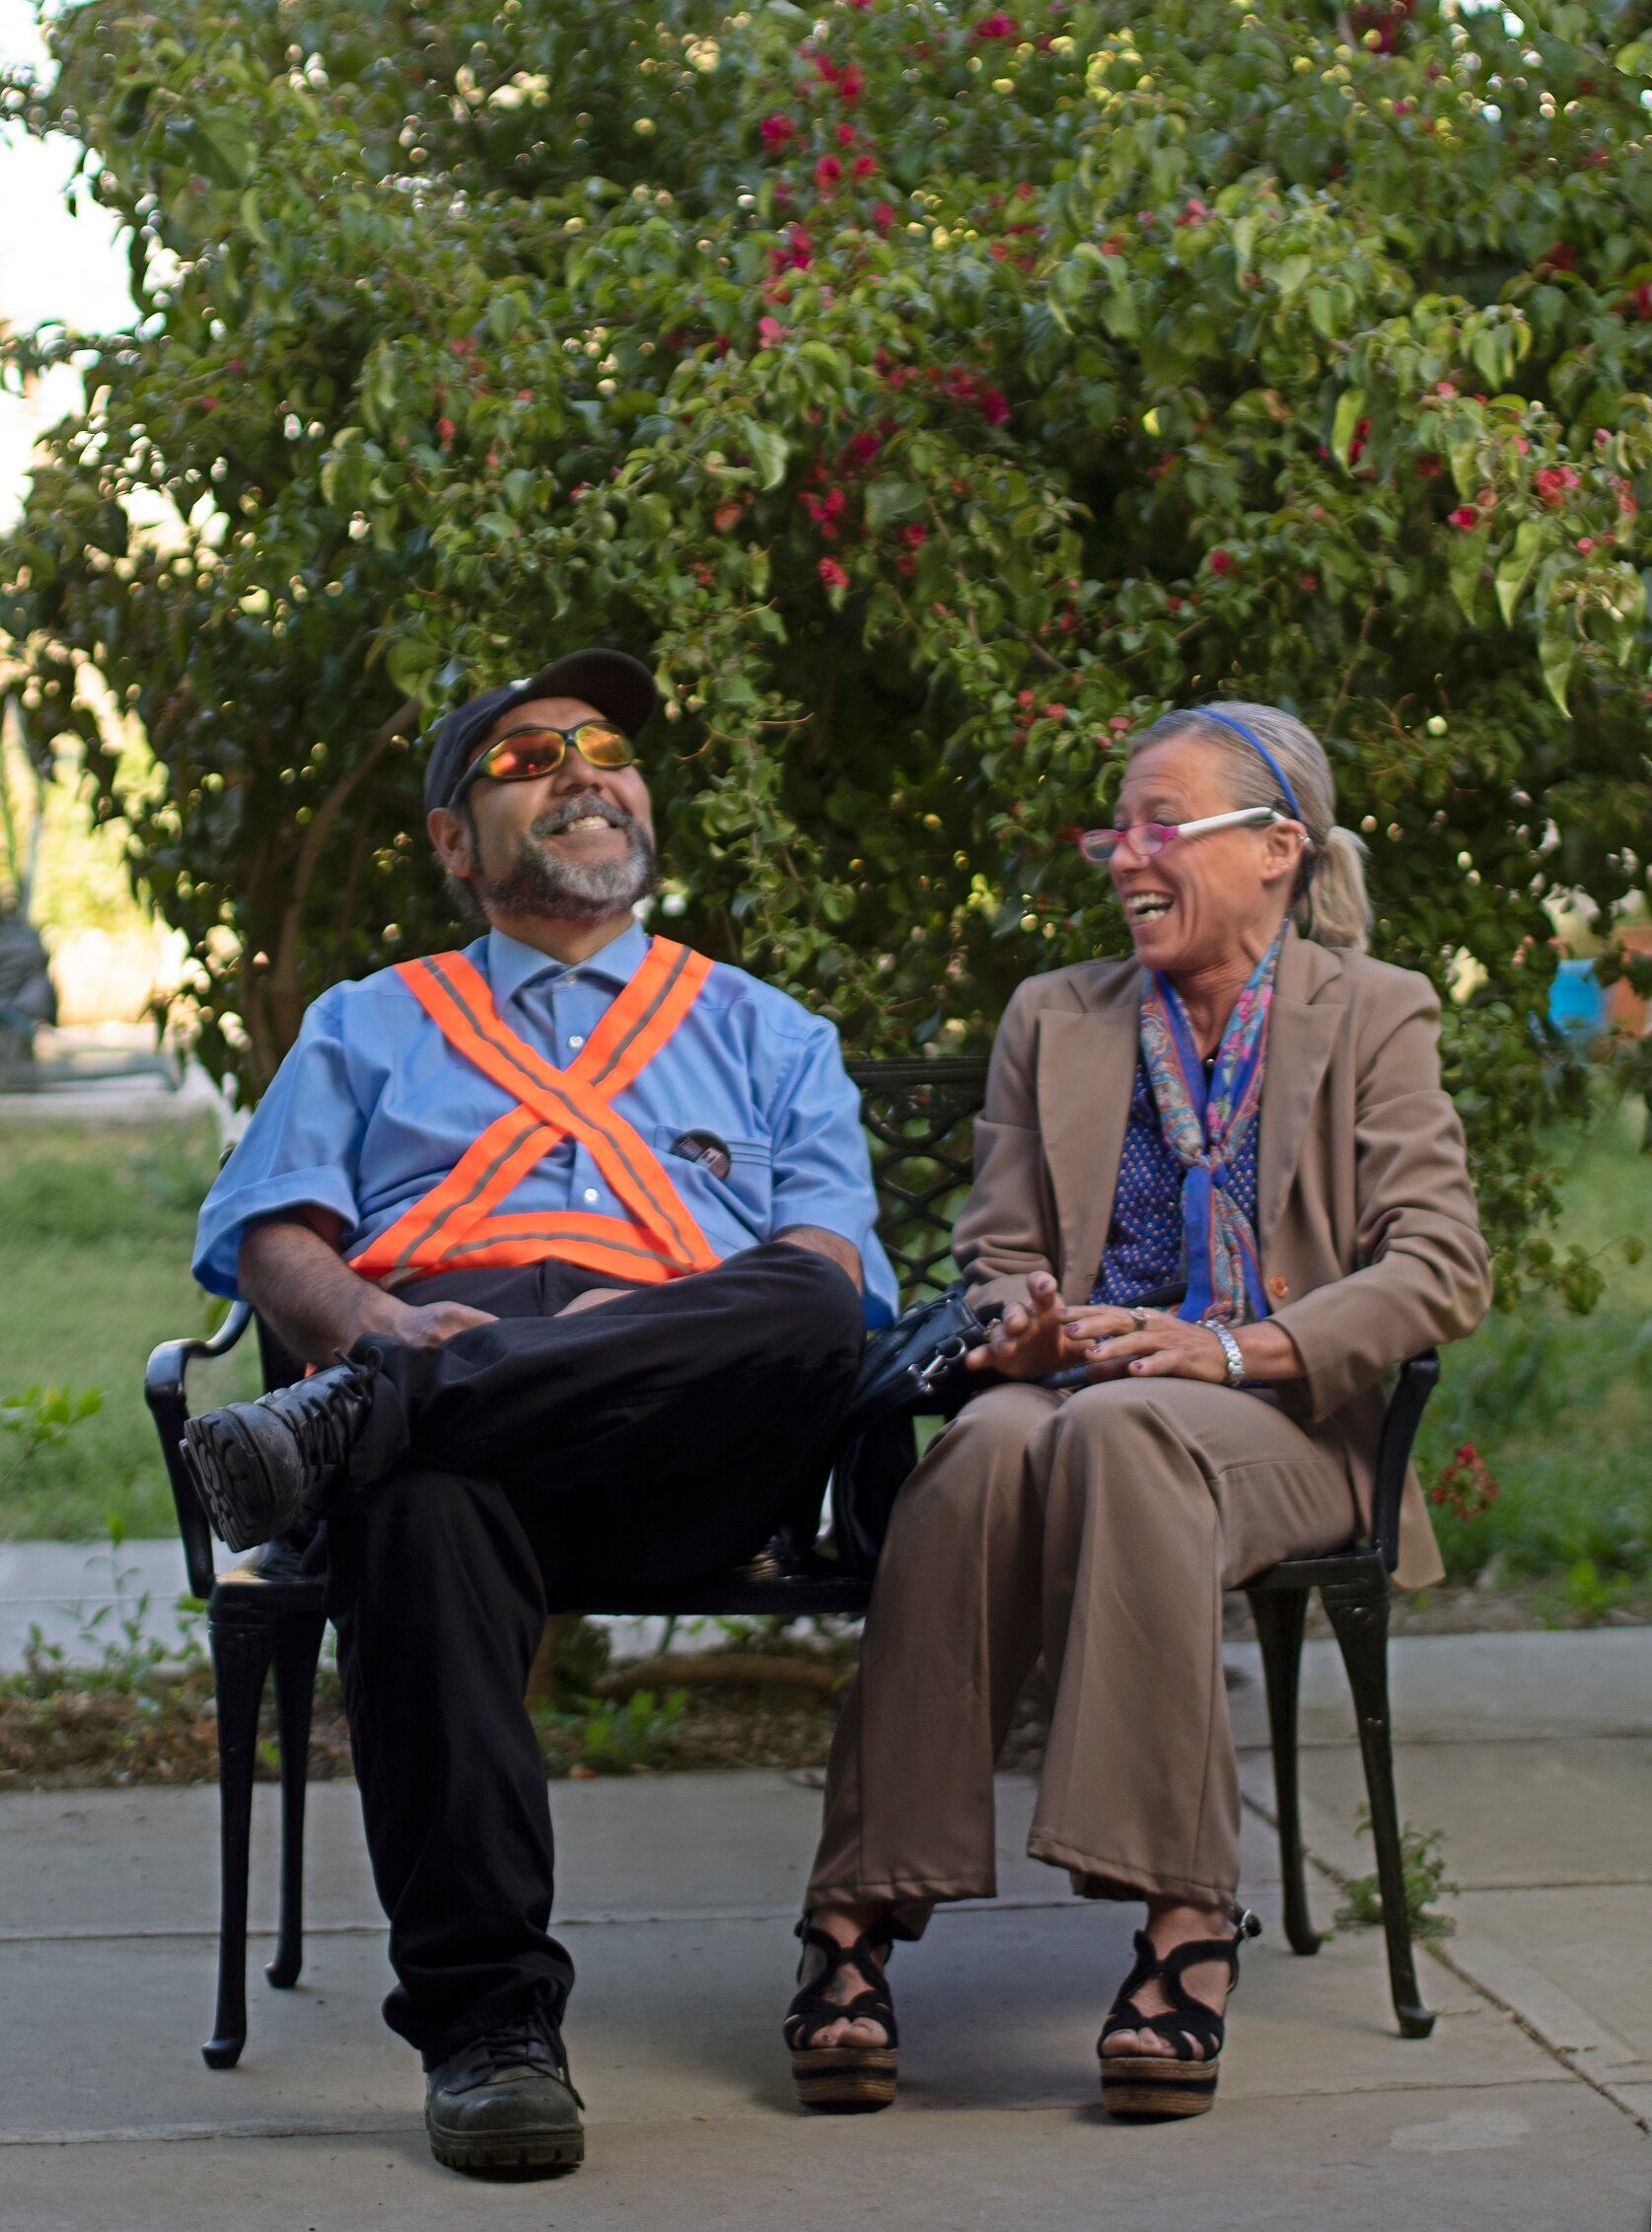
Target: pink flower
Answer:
pixel 864 165
pixel 1467 517
pixel 995 26
pixel 445 431
pixel 796 255
pixel 883 216
pixel 845 135
pixel 777 132
pixel 771 333
pixel 832 574
pixel 1222 561
pixel 1585 544
pixel 1445 388
pixel 915 535
pixel 827 171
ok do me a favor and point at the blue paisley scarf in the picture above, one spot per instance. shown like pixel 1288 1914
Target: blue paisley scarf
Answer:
pixel 1204 1127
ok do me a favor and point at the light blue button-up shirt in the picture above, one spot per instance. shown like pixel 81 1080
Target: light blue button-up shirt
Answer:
pixel 371 1108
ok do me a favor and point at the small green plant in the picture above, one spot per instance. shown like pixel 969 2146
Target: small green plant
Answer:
pixel 42 1417
pixel 617 1737
pixel 1591 1594
pixel 1425 1880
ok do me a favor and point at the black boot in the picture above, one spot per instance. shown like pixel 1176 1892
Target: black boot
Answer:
pixel 505 2104
pixel 263 1468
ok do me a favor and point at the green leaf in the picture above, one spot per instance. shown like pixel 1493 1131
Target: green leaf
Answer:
pixel 1558 654
pixel 769 450
pixel 1514 570
pixel 889 500
pixel 1350 409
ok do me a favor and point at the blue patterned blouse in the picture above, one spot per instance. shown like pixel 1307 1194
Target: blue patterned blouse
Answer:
pixel 1143 1252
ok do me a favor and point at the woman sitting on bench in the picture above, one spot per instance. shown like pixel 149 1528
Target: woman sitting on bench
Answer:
pixel 1220 1192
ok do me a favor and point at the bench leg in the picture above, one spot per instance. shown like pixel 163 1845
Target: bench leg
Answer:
pixel 1358 1613
pixel 240 1652
pixel 298 1647
pixel 1280 1615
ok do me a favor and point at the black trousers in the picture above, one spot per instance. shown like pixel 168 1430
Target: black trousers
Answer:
pixel 523 1466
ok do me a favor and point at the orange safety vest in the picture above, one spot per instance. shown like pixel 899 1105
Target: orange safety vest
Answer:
pixel 454 1225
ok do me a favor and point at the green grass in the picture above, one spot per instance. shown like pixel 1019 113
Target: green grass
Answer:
pixel 1560 1406
pixel 95 1225
pixel 95 1237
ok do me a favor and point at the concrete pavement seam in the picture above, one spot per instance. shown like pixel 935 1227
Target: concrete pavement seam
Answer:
pixel 1557 2053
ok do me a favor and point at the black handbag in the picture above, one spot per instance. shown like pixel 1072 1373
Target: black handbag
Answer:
pixel 912 1367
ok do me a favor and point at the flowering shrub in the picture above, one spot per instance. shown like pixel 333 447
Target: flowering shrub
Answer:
pixel 1464 1486
pixel 936 393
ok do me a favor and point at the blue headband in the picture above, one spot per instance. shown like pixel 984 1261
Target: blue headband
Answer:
pixel 1210 714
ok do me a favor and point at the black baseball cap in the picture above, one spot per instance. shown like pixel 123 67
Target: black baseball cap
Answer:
pixel 620 688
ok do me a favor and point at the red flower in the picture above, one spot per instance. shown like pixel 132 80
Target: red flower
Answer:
pixel 851 83
pixel 1056 712
pixel 993 405
pixel 861 449
pixel 1585 544
pixel 727 514
pixel 1552 484
pixel 1467 517
pixel 445 431
pixel 845 135
pixel 1112 245
pixel 1430 469
pixel 1222 561
pixel 827 172
pixel 1445 388
pixel 771 333
pixel 777 132
pixel 883 216
pixel 209 404
pixel 864 165
pixel 1309 583
pixel 915 535
pixel 1195 211
pixel 825 511
pixel 1119 724
pixel 832 574
pixel 995 26
pixel 796 254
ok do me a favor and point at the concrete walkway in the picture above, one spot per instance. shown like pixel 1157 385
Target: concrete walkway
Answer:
pixel 1526 2109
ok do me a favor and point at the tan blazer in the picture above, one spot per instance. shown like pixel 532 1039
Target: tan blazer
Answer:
pixel 1370 1244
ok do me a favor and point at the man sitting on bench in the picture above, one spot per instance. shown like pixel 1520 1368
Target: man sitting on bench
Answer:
pixel 576 1224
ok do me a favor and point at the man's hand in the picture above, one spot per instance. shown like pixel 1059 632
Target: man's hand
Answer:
pixel 1026 1344
pixel 428 1325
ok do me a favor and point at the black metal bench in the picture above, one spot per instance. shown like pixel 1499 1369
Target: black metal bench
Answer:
pixel 266 1613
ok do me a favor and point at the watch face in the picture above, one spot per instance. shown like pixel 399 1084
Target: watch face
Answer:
pixel 706 1148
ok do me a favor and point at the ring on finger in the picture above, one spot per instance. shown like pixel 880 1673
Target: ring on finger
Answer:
pixel 1138 1318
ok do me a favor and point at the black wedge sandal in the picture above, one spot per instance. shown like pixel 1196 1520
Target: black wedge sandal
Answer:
pixel 841 2081
pixel 1137 2086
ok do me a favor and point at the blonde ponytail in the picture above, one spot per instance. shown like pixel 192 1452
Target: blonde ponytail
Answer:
pixel 1333 909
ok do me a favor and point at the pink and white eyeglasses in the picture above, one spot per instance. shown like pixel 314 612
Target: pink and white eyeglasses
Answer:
pixel 1151 837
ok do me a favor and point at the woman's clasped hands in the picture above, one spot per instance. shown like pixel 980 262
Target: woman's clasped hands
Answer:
pixel 1048 1335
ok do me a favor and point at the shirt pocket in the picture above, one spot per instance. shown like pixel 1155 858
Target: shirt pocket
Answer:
pixel 748 1192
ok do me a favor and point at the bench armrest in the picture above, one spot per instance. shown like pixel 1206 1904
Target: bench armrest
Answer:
pixel 165 1392
pixel 1418 1378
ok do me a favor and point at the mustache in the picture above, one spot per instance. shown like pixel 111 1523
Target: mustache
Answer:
pixel 580 808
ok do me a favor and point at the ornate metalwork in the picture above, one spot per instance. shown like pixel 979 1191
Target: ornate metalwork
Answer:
pixel 920 1119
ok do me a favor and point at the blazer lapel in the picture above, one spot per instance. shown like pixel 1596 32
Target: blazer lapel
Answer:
pixel 1301 1031
pixel 1087 1066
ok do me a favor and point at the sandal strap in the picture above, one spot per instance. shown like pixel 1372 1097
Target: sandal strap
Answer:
pixel 813 2011
pixel 1186 2019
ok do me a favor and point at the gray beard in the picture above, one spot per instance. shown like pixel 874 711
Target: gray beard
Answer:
pixel 544 884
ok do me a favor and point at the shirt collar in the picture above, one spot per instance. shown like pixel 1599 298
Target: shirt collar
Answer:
pixel 512 967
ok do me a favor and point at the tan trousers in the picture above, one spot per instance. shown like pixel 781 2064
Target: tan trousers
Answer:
pixel 1101 1527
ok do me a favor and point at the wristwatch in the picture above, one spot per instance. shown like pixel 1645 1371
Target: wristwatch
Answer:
pixel 1231 1350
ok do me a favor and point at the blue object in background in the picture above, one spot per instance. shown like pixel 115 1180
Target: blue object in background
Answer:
pixel 1576 1003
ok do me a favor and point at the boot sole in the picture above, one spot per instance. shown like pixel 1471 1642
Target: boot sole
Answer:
pixel 1142 2088
pixel 230 1466
pixel 510 2154
pixel 845 2080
